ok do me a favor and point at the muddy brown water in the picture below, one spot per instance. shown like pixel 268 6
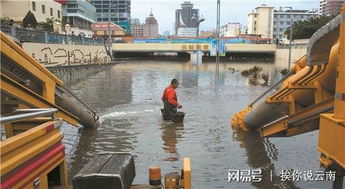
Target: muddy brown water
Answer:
pixel 127 97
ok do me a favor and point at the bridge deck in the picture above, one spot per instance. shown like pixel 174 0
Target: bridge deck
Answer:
pixel 187 47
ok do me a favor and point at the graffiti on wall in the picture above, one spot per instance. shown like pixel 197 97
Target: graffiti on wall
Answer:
pixel 61 56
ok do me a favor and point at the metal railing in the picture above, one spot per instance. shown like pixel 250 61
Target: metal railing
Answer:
pixel 31 35
pixel 294 46
pixel 23 114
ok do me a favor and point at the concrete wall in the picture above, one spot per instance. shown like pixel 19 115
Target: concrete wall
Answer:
pixel 282 56
pixel 57 54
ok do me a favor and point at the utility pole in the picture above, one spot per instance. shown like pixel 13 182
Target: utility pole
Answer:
pixel 109 34
pixel 218 42
pixel 198 21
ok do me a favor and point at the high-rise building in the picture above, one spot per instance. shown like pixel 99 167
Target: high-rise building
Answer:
pixel 80 15
pixel 270 23
pixel 135 21
pixel 260 21
pixel 150 28
pixel 330 7
pixel 282 19
pixel 230 30
pixel 137 29
pixel 184 17
pixel 117 11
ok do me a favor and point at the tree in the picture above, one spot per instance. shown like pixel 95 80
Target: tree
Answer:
pixel 48 25
pixel 64 21
pixel 30 20
pixel 6 21
pixel 305 29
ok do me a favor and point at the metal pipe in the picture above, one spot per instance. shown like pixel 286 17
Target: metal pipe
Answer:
pixel 327 109
pixel 79 100
pixel 272 87
pixel 20 117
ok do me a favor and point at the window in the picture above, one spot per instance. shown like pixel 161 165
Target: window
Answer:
pixel 43 9
pixel 34 6
pixel 51 11
pixel 288 22
pixel 58 14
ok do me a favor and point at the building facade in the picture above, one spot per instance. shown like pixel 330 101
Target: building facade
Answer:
pixel 103 28
pixel 117 11
pixel 80 15
pixel 260 21
pixel 17 10
pixel 184 17
pixel 186 32
pixel 282 20
pixel 150 28
pixel 137 29
pixel 230 30
pixel 330 7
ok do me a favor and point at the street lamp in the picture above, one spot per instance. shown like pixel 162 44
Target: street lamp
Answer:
pixel 109 35
pixel 290 43
pixel 218 42
pixel 198 21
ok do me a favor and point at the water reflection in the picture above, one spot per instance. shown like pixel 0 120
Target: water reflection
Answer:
pixel 171 132
pixel 259 153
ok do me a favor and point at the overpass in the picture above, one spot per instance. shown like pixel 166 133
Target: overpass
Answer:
pixel 189 47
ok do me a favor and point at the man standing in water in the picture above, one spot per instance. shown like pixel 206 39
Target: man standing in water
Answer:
pixel 169 99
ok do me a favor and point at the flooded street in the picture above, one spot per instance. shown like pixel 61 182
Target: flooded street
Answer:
pixel 128 99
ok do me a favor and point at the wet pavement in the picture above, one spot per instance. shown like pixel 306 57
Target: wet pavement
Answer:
pixel 127 97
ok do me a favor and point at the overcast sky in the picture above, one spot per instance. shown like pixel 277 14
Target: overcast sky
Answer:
pixel 231 10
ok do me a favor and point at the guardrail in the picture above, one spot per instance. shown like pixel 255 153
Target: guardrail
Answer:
pixel 293 46
pixel 27 113
pixel 30 35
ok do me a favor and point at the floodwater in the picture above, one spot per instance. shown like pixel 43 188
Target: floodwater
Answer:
pixel 127 97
